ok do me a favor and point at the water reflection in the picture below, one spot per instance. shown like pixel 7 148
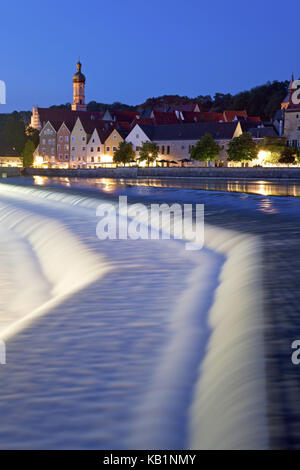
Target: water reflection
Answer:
pixel 109 185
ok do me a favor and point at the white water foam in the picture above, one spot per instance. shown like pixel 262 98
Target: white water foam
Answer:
pixel 228 409
pixel 43 262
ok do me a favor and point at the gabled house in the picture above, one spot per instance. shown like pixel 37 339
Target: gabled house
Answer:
pixel 47 146
pixel 175 141
pixel 111 144
pixel 96 148
pixel 63 138
pixel 78 144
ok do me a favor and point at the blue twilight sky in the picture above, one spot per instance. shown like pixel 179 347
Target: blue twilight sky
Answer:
pixel 135 49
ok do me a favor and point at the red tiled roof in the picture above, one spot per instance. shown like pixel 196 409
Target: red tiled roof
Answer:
pixel 230 115
pixel 189 117
pixel 123 115
pixel 60 115
pixel 145 121
pixel 161 118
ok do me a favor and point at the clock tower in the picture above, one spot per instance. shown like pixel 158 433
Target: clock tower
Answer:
pixel 78 90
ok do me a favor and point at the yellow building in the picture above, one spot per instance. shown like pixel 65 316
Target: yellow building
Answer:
pixel 110 146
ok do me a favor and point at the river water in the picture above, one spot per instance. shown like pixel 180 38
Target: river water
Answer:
pixel 117 348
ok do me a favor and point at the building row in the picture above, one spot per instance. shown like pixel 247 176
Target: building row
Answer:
pixel 79 138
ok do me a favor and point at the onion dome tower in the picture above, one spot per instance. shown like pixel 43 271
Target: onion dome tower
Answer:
pixel 78 90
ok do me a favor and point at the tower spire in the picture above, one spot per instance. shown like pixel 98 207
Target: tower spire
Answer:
pixel 78 89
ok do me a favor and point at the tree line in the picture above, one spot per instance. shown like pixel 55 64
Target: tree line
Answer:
pixel 263 101
pixel 16 138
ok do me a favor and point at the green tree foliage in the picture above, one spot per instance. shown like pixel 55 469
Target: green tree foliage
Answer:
pixel 149 152
pixel 206 149
pixel 288 156
pixel 242 148
pixel 124 153
pixel 33 135
pixel 13 133
pixel 61 106
pixel 27 154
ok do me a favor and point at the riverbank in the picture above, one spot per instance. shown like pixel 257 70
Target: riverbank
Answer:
pixel 6 172
pixel 243 173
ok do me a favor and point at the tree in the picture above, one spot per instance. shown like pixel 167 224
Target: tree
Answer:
pixel 33 135
pixel 206 149
pixel 288 156
pixel 27 154
pixel 149 152
pixel 273 147
pixel 13 133
pixel 242 149
pixel 124 153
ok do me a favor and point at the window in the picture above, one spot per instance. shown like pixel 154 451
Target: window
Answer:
pixel 60 138
pixel 182 147
pixel 83 148
pixel 98 149
pixel 66 139
pixel 92 159
pixel 137 148
pixel 58 147
pixel 107 149
pixel 137 136
pixel 73 148
pixel 60 156
pixel 168 150
pixel 162 149
pixel 114 149
pixel 83 138
pixel 66 157
pixel 73 158
pixel 73 139
pixel 115 136
pixel 92 149
pixel 93 140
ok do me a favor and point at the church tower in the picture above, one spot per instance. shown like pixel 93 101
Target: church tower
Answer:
pixel 288 99
pixel 78 90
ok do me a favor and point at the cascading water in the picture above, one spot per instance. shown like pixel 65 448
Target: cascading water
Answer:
pixel 193 356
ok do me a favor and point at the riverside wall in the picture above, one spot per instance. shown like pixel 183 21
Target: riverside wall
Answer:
pixel 261 173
